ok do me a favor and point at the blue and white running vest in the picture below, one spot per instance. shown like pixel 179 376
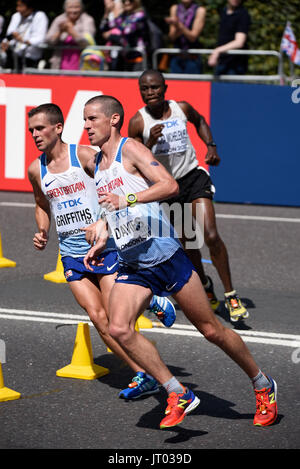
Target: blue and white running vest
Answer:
pixel 143 235
pixel 73 201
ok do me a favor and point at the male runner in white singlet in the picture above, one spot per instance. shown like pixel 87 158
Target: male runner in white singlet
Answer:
pixel 62 181
pixel 162 126
pixel 132 181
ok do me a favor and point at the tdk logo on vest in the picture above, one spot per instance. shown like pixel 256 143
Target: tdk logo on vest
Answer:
pixel 120 214
pixel 69 203
pixel 170 124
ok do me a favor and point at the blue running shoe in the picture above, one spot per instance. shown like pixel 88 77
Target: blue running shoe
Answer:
pixel 164 310
pixel 140 385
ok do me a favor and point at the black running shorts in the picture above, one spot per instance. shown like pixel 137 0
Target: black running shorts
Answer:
pixel 194 185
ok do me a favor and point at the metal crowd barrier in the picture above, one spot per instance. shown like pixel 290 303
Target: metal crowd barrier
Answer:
pixel 279 77
pixel 51 71
pixel 210 77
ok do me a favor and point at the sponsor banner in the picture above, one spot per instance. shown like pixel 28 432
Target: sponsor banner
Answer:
pixel 20 93
pixel 257 129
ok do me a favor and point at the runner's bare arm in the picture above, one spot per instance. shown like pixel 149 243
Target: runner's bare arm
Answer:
pixel 139 160
pixel 93 232
pixel 42 208
pixel 91 257
pixel 136 127
pixel 87 157
pixel 203 130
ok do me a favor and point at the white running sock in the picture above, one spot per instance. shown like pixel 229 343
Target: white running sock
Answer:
pixel 230 293
pixel 260 381
pixel 173 385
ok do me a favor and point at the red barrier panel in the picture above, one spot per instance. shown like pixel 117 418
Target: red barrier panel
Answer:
pixel 20 93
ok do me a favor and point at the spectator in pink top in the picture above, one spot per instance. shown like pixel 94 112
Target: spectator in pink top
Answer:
pixel 128 30
pixel 186 22
pixel 72 28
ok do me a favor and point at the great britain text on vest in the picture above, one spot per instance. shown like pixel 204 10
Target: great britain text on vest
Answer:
pixel 66 190
pixel 110 186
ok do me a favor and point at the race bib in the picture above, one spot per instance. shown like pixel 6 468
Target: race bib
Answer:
pixel 71 216
pixel 174 138
pixel 129 226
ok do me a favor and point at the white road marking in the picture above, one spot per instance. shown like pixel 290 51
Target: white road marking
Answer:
pixel 260 337
pixel 258 218
pixel 16 204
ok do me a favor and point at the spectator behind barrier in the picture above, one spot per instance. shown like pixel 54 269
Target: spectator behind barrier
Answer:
pixel 26 30
pixel 233 33
pixel 112 9
pixel 72 28
pixel 186 22
pixel 127 30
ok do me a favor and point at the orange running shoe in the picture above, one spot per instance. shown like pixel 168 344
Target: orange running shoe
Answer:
pixel 178 406
pixel 266 405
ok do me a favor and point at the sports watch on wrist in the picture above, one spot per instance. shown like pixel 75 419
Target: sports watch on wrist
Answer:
pixel 131 199
pixel 211 144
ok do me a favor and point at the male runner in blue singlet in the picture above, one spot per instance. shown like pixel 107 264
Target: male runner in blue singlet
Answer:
pixel 62 181
pixel 132 181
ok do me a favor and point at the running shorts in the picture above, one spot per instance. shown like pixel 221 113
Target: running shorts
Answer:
pixel 74 268
pixel 163 279
pixel 194 185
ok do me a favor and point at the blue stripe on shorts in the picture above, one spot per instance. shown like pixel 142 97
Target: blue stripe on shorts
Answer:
pixel 163 279
pixel 74 268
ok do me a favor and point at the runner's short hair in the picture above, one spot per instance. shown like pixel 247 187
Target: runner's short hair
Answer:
pixel 156 73
pixel 52 111
pixel 109 106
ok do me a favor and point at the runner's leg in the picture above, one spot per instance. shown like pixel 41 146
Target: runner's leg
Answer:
pixel 127 302
pixel 194 303
pixel 90 298
pixel 215 244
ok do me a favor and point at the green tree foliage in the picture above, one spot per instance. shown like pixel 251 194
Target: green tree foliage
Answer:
pixel 269 18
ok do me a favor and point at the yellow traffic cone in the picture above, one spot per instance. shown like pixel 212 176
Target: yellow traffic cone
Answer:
pixel 57 276
pixel 144 323
pixel 7 394
pixel 82 365
pixel 3 261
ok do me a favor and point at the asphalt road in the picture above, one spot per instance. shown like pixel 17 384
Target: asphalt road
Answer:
pixel 39 320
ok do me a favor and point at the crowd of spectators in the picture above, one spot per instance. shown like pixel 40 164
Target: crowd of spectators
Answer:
pixel 70 41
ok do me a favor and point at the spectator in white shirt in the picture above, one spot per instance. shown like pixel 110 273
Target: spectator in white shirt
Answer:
pixel 27 29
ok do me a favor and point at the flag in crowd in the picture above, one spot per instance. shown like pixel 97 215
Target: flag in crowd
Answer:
pixel 289 44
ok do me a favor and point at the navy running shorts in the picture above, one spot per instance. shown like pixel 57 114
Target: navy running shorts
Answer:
pixel 163 279
pixel 74 268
